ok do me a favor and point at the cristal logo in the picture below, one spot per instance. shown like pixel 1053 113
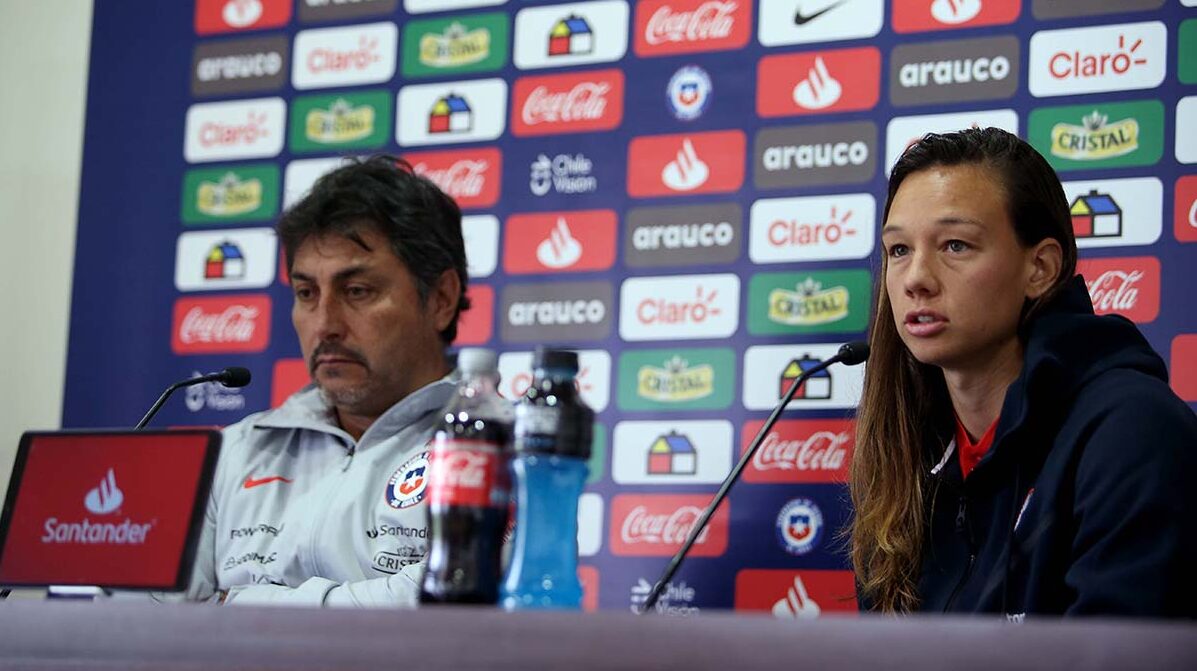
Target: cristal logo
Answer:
pixel 105 498
pixel 229 197
pixel 461 179
pixel 687 171
pixel 1115 291
pixel 1097 138
pixel 332 60
pixel 819 89
pixel 217 134
pixel 665 311
pixel 641 526
pixel 676 381
pixel 587 101
pixel 708 21
pixel 560 249
pixel 955 71
pixel 821 451
pixel 241 13
pixel 1074 64
pixel 953 12
pixel 236 324
pixel 809 304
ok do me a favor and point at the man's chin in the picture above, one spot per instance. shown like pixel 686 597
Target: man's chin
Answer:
pixel 341 395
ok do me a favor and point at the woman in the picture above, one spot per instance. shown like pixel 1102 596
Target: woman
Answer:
pixel 1015 453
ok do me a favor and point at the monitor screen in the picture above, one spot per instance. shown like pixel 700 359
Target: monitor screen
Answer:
pixel 118 509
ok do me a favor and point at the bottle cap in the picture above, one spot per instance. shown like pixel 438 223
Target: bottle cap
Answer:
pixel 477 361
pixel 558 359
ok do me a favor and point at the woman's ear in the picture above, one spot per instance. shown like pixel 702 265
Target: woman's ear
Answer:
pixel 1043 266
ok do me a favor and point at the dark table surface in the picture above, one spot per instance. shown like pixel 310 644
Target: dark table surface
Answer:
pixel 83 635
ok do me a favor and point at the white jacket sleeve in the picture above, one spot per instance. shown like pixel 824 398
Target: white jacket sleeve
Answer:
pixel 397 591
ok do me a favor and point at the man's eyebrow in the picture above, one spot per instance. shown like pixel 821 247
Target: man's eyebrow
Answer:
pixel 343 274
pixel 945 221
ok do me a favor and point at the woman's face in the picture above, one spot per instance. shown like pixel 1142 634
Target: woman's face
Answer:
pixel 956 274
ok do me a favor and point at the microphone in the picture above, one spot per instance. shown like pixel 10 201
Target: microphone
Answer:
pixel 849 354
pixel 233 376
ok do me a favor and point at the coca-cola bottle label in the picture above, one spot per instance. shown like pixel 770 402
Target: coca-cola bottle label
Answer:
pixel 466 472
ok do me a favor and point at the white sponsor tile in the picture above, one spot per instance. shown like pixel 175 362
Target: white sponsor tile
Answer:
pixel 679 307
pixel 785 22
pixel 481 234
pixel 594 376
pixel 1122 57
pixel 902 131
pixel 349 56
pixel 235 130
pixel 672 453
pixel 242 258
pixel 601 34
pixel 814 228
pixel 1122 212
pixel 472 111
pixel 764 365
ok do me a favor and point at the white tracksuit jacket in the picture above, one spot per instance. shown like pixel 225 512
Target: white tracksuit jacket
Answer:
pixel 302 514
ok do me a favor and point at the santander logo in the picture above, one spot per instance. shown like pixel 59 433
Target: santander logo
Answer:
pixel 105 498
pixel 560 241
pixel 221 325
pixel 954 12
pixel 819 82
pixel 470 176
pixel 689 163
pixel 1127 286
pixel 910 16
pixel 568 103
pixel 666 27
pixel 224 16
pixel 656 525
pixel 560 249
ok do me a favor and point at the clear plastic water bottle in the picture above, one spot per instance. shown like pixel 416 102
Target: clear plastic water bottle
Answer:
pixel 553 431
pixel 469 489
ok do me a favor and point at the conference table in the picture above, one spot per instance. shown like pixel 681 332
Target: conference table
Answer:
pixel 120 635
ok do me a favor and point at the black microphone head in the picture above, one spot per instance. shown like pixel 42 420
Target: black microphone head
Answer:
pixel 234 376
pixel 853 353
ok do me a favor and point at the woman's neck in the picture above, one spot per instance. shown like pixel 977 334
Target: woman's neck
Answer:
pixel 977 392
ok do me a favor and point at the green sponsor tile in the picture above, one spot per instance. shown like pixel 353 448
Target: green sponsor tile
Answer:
pixel 677 379
pixel 357 120
pixel 1187 54
pixel 226 194
pixel 598 455
pixel 821 301
pixel 455 45
pixel 1099 135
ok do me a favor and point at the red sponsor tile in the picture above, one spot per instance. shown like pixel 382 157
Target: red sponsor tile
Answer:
pixel 288 377
pixel 559 242
pixel 800 451
pixel 221 324
pixel 915 16
pixel 818 82
pixel 1185 215
pixel 1129 286
pixel 1184 366
pixel 686 163
pixel 472 177
pixel 656 525
pixel 474 326
pixel 228 16
pixel 666 27
pixel 567 103
pixel 796 594
pixel 589 576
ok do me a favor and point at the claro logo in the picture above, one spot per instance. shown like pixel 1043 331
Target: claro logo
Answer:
pixel 679 307
pixel 1093 60
pixel 105 499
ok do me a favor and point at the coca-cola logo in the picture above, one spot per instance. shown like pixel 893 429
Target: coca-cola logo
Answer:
pixel 212 325
pixel 687 26
pixel 471 177
pixel 1129 286
pixel 568 103
pixel 801 451
pixel 656 525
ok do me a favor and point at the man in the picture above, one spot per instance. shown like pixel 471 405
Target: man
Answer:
pixel 316 502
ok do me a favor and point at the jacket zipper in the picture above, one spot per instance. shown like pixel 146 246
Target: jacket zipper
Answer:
pixel 962 528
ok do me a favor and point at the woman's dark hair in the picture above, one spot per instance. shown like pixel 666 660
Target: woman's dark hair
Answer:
pixel 422 224
pixel 903 399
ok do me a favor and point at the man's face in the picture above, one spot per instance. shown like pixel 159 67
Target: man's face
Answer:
pixel 956 274
pixel 367 337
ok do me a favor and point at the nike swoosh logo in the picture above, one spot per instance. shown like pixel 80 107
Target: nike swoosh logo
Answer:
pixel 800 19
pixel 251 481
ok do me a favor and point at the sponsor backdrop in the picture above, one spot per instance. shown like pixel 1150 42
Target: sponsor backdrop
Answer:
pixel 687 191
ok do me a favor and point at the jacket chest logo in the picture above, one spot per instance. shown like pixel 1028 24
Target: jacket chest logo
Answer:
pixel 406 486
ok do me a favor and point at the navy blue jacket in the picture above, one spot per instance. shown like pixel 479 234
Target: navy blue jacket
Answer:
pixel 1086 504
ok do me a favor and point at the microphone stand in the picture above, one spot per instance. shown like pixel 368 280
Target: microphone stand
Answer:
pixel 700 525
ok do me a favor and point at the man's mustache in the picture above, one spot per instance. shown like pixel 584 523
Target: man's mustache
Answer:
pixel 334 349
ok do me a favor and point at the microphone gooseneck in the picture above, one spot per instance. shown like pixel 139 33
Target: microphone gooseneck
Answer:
pixel 233 376
pixel 849 354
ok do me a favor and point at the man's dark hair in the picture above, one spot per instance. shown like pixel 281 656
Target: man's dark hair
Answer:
pixel 1035 200
pixel 422 224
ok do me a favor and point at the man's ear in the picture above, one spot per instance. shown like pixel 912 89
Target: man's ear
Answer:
pixel 443 299
pixel 1043 266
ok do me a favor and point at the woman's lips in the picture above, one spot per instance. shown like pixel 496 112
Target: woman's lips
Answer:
pixel 925 323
